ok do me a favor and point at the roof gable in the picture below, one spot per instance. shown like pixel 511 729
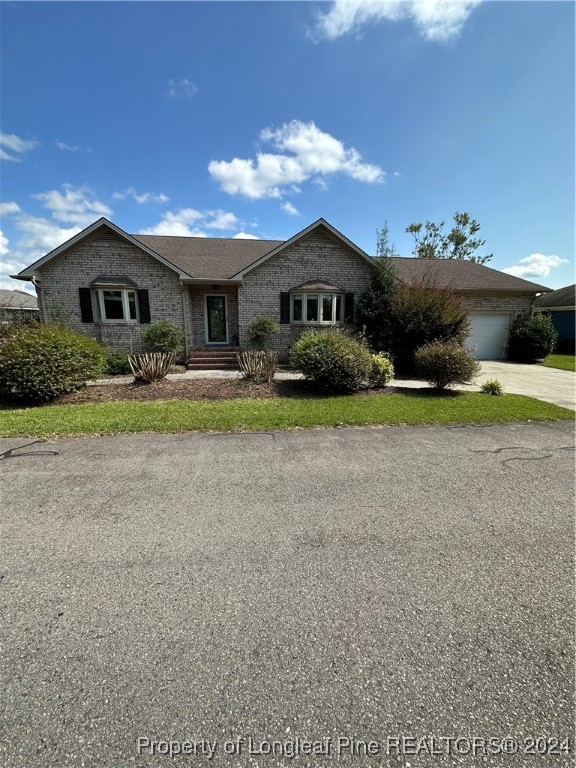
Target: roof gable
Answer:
pixel 90 231
pixel 321 225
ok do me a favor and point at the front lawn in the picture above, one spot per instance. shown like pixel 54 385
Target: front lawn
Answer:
pixel 565 362
pixel 406 407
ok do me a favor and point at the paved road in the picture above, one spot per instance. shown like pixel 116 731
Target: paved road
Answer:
pixel 359 583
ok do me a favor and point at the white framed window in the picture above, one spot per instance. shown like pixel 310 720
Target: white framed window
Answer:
pixel 316 308
pixel 117 305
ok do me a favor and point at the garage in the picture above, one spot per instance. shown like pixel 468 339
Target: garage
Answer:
pixel 488 334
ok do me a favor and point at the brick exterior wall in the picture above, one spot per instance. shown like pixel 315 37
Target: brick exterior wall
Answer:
pixel 316 256
pixel 109 254
pixel 497 302
pixel 195 313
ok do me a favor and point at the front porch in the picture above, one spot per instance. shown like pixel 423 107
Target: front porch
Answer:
pixel 212 326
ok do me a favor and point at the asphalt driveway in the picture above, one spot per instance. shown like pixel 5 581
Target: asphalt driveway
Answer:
pixel 368 584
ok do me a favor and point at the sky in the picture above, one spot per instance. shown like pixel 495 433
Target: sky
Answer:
pixel 254 119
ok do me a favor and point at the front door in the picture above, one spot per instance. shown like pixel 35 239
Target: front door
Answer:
pixel 216 320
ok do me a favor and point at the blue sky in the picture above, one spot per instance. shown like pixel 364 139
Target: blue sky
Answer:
pixel 255 119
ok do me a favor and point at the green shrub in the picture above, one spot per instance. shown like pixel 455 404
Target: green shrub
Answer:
pixel 151 366
pixel 40 362
pixel 163 336
pixel 492 387
pixel 401 317
pixel 117 363
pixel 260 330
pixel 531 338
pixel 332 359
pixel 382 370
pixel 442 364
pixel 258 365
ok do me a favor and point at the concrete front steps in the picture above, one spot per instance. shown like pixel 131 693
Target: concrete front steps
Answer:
pixel 214 358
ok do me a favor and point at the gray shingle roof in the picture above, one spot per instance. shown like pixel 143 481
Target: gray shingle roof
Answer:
pixel 215 258
pixel 219 258
pixel 462 275
pixel 563 297
pixel 17 300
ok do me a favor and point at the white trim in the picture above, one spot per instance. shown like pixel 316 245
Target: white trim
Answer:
pixel 316 225
pixel 125 305
pixel 28 273
pixel 215 343
pixel 555 309
pixel 318 295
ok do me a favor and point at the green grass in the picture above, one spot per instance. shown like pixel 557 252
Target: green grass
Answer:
pixel 408 407
pixel 565 362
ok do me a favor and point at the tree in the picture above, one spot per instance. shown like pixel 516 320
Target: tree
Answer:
pixel 384 247
pixel 432 242
pixel 375 307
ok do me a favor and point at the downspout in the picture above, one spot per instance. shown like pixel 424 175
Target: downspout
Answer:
pixel 185 315
pixel 40 295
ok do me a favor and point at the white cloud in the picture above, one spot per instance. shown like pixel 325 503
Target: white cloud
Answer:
pixel 3 244
pixel 10 143
pixel 313 154
pixel 71 210
pixel 67 147
pixel 189 222
pixel 140 197
pixel 436 20
pixel 535 265
pixel 76 205
pixel 9 208
pixel 222 220
pixel 290 209
pixel 245 236
pixel 181 89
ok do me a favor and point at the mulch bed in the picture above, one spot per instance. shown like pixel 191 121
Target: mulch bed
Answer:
pixel 197 389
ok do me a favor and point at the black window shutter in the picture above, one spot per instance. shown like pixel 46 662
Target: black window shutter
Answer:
pixel 144 305
pixel 285 308
pixel 349 308
pixel 85 296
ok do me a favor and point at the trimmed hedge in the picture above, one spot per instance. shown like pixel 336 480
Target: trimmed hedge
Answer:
pixel 332 359
pixel 163 336
pixel 40 362
pixel 442 364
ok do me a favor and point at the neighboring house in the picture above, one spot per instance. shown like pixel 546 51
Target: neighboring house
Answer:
pixel 561 305
pixel 17 304
pixel 111 284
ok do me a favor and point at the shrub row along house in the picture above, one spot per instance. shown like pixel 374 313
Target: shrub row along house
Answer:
pixel 109 284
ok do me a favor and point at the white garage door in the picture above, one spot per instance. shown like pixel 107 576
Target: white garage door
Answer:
pixel 488 335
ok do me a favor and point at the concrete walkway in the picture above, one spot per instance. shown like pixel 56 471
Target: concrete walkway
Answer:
pixel 549 384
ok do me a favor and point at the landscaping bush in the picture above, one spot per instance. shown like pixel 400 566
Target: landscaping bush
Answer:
pixel 39 362
pixel 424 313
pixel 531 338
pixel 258 365
pixel 260 330
pixel 163 336
pixel 382 370
pixel 117 363
pixel 399 317
pixel 152 366
pixel 492 387
pixel 442 364
pixel 332 359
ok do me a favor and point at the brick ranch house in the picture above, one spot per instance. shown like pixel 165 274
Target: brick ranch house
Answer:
pixel 111 285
